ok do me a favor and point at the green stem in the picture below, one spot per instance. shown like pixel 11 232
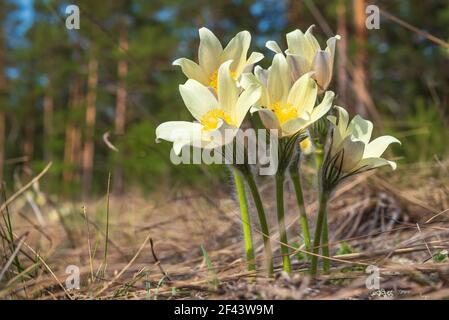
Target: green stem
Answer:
pixel 325 245
pixel 296 179
pixel 246 220
pixel 281 222
pixel 319 152
pixel 262 220
pixel 323 197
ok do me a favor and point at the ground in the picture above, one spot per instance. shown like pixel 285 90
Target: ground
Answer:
pixel 189 245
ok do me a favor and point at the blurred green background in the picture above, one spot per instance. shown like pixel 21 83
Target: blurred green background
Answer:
pixel 62 90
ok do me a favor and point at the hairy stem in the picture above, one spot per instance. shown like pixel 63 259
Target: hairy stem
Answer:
pixel 262 220
pixel 322 206
pixel 296 179
pixel 246 220
pixel 281 222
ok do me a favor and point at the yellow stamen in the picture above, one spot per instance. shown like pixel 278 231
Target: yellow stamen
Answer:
pixel 210 119
pixel 284 111
pixel 213 81
pixel 305 144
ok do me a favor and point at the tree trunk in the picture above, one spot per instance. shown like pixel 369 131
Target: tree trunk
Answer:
pixel 359 73
pixel 342 49
pixel 72 138
pixel 120 111
pixel 89 146
pixel 48 125
pixel 2 104
pixel 293 14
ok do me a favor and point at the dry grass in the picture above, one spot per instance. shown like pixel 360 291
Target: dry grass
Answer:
pixel 395 221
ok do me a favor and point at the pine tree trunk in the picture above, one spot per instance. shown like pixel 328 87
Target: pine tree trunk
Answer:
pixel 359 72
pixel 89 146
pixel 48 125
pixel 120 111
pixel 2 105
pixel 72 138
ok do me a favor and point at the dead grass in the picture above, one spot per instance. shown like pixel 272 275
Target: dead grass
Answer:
pixel 396 222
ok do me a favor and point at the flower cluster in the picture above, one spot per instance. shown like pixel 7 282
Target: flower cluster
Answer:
pixel 292 100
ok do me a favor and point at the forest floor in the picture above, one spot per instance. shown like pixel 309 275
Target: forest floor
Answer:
pixel 189 245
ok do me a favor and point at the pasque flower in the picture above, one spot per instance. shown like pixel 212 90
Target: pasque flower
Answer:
pixel 351 147
pixel 211 56
pixel 304 54
pixel 286 105
pixel 214 112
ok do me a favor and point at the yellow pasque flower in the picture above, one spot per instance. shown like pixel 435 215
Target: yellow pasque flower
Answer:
pixel 351 140
pixel 214 113
pixel 284 105
pixel 211 55
pixel 304 54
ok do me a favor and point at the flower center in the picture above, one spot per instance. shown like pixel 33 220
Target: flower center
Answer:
pixel 305 144
pixel 213 81
pixel 210 119
pixel 284 112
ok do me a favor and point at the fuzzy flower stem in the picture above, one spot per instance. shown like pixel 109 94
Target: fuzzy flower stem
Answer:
pixel 296 179
pixel 262 220
pixel 322 208
pixel 319 152
pixel 281 222
pixel 246 220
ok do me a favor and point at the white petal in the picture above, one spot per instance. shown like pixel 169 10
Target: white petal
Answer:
pixel 324 107
pixel 377 147
pixel 192 70
pixel 262 75
pixel 295 125
pixel 353 153
pixel 361 128
pixel 278 80
pixel 237 50
pixel 303 94
pixel 268 118
pixel 247 99
pixel 273 46
pixel 304 44
pixel 181 133
pixel 371 163
pixel 209 51
pixel 197 98
pixel 227 89
pixel 298 65
pixel 254 58
pixel 323 73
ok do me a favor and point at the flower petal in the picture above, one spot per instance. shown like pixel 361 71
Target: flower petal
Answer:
pixel 278 81
pixel 268 118
pixel 378 146
pixel 322 68
pixel 303 94
pixel 361 128
pixel 198 98
pixel 209 52
pixel 192 70
pixel 353 153
pixel 372 163
pixel 295 125
pixel 298 65
pixel 237 50
pixel 247 99
pixel 181 133
pixel 273 46
pixel 227 89
pixel 324 107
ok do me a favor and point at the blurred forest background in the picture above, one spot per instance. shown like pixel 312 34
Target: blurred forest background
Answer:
pixel 62 90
